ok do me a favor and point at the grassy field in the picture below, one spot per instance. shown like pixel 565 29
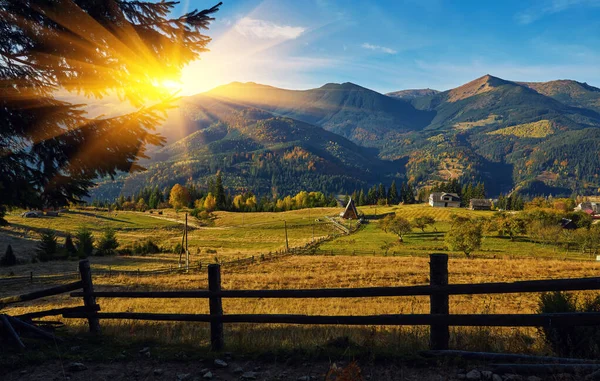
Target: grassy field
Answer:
pixel 317 272
pixel 371 240
pixel 365 263
pixel 233 234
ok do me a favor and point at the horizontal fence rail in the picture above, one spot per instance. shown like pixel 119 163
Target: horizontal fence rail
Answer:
pixel 40 294
pixel 439 319
pixel 457 320
pixel 577 284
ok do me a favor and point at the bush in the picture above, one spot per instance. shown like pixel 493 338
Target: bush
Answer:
pixel 85 243
pixel 47 248
pixel 178 249
pixel 146 247
pixel 568 340
pixel 70 246
pixel 125 251
pixel 108 243
pixel 9 258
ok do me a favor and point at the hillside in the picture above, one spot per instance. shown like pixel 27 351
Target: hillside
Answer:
pixel 256 151
pixel 571 93
pixel 491 129
pixel 534 137
pixel 354 112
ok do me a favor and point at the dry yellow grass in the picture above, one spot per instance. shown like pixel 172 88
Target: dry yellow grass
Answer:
pixel 321 272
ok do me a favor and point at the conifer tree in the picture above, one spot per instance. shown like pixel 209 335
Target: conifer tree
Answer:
pixel 393 193
pixel 361 198
pixel 47 248
pixel 220 193
pixel 69 246
pixel 51 152
pixel 9 258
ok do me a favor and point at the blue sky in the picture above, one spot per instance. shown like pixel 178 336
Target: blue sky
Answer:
pixel 394 45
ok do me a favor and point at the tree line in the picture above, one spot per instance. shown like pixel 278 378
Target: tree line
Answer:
pixel 214 198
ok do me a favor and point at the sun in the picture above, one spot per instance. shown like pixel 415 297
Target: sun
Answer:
pixel 171 85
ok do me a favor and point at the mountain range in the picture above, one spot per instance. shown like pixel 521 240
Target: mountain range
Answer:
pixel 530 137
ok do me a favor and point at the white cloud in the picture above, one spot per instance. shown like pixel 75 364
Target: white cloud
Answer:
pixel 535 13
pixel 266 30
pixel 378 48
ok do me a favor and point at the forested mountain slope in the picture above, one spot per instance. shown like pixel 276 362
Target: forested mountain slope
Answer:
pixel 531 137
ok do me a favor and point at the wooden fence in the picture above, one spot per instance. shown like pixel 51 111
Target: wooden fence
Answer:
pixel 438 291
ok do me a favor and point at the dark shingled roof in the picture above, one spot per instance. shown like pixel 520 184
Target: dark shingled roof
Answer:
pixel 481 202
pixel 437 196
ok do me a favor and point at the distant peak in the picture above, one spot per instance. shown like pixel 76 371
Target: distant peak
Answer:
pixel 478 86
pixel 342 86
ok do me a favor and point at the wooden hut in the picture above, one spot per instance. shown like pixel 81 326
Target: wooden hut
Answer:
pixel 350 213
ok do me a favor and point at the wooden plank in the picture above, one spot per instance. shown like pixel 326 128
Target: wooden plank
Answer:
pixel 11 330
pixel 464 320
pixel 215 303
pixel 41 293
pixel 439 334
pixel 34 329
pixel 55 312
pixel 88 298
pixel 506 357
pixel 426 290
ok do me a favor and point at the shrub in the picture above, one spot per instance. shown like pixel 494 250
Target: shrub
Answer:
pixel 9 258
pixel 178 249
pixel 125 251
pixel 70 246
pixel 108 243
pixel 146 247
pixel 568 340
pixel 85 242
pixel 47 248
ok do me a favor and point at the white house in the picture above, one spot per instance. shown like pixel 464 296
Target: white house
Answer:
pixel 444 200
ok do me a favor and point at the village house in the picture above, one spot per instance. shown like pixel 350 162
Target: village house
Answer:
pixel 444 200
pixel 350 213
pixel 589 206
pixel 480 204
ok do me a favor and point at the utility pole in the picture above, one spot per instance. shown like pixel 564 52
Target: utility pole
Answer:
pixel 312 224
pixel 182 246
pixel 287 247
pixel 187 252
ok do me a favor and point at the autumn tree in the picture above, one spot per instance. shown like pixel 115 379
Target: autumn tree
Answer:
pixel 423 221
pixel 50 150
pixel 465 236
pixel 179 196
pixel 210 203
pixel 397 225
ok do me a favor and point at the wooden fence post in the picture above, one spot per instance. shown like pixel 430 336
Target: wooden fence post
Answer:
pixel 31 277
pixel 89 300
pixel 216 307
pixel 439 335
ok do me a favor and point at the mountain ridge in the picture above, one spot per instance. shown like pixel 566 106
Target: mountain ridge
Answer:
pixel 340 136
